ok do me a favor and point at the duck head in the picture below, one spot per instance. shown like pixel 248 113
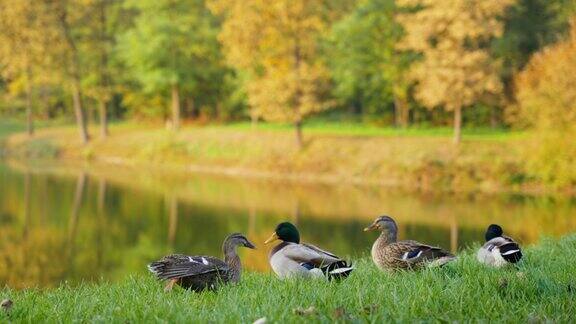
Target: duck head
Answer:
pixel 286 232
pixel 384 224
pixel 493 231
pixel 237 239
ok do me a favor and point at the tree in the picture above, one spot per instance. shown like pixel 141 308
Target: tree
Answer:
pixel 171 49
pixel 278 45
pixel 453 37
pixel 547 104
pixel 529 26
pixel 24 38
pixel 367 68
pixel 66 16
pixel 98 50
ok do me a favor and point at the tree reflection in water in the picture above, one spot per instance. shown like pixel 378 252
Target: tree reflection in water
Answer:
pixel 85 224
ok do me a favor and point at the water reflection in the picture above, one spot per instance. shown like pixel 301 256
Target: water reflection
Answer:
pixel 77 224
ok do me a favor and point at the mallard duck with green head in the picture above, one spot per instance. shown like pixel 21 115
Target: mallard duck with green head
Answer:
pixel 202 272
pixel 390 254
pixel 291 258
pixel 499 250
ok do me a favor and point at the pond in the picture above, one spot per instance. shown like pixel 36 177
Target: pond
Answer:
pixel 82 223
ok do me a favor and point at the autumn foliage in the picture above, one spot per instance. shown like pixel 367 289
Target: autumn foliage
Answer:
pixel 547 103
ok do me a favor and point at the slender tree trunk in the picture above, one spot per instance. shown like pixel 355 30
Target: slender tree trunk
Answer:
pixel 79 110
pixel 74 68
pixel 493 117
pixel 457 125
pixel 175 107
pixel 253 120
pixel 102 104
pixel 401 112
pixel 103 118
pixel 29 121
pixel 299 137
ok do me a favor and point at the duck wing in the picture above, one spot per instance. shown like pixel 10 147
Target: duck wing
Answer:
pixel 506 246
pixel 309 254
pixel 178 266
pixel 414 252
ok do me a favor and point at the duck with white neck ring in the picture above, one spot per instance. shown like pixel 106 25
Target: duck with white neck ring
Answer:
pixel 390 254
pixel 291 258
pixel 499 250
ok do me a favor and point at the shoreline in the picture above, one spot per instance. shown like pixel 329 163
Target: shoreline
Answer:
pixel 416 164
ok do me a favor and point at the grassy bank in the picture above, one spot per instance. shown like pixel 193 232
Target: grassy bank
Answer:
pixel 543 289
pixel 414 158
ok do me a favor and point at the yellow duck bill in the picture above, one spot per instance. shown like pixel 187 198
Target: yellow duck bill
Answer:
pixel 272 238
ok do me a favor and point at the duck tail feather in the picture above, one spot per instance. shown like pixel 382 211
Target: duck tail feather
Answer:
pixel 337 270
pixel 442 261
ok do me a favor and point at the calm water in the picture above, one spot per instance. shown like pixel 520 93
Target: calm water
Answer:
pixel 73 223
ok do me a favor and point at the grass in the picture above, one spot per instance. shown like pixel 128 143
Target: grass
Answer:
pixel 9 127
pixel 351 128
pixel 543 289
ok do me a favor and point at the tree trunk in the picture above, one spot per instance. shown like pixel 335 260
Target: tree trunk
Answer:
pixel 103 118
pixel 401 112
pixel 494 117
pixel 299 140
pixel 102 104
pixel 175 107
pixel 79 110
pixel 74 68
pixel 29 122
pixel 457 125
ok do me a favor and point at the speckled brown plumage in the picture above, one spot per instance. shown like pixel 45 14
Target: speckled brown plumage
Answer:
pixel 390 254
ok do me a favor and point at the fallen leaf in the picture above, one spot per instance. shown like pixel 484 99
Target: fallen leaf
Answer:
pixel 503 283
pixel 340 312
pixel 304 311
pixel 370 308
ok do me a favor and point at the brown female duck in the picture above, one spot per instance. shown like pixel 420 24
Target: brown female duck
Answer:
pixel 202 272
pixel 390 254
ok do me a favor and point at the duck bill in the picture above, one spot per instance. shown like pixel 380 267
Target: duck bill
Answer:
pixel 250 245
pixel 370 228
pixel 272 238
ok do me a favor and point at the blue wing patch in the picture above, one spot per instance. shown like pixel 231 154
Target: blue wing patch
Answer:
pixel 307 265
pixel 411 254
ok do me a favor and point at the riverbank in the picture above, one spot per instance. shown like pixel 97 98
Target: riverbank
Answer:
pixel 487 161
pixel 543 289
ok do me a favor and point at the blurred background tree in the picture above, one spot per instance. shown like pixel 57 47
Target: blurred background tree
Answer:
pixel 453 36
pixel 278 45
pixel 368 71
pixel 547 104
pixel 420 63
pixel 24 38
pixel 171 50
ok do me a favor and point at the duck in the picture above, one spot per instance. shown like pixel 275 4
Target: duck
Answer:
pixel 290 258
pixel 499 250
pixel 200 273
pixel 389 254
